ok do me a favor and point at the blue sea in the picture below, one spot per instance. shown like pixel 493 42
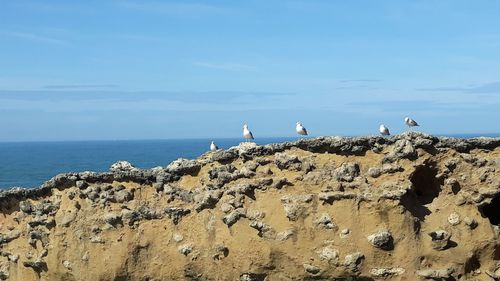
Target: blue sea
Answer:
pixel 29 164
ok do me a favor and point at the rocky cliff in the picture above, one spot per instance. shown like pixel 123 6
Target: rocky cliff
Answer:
pixel 409 207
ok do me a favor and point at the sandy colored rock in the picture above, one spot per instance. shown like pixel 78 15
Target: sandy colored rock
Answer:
pixel 408 207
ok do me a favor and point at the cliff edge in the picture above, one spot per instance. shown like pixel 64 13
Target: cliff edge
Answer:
pixel 409 207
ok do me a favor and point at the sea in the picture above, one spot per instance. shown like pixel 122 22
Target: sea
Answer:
pixel 29 164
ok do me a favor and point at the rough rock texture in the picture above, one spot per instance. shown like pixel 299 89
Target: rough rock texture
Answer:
pixel 409 207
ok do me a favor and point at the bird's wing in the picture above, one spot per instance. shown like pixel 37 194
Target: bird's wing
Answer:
pixel 251 135
pixel 305 131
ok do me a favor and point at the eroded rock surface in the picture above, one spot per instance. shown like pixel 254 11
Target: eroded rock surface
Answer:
pixel 409 207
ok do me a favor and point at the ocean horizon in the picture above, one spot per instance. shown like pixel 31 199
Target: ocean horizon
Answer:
pixel 30 164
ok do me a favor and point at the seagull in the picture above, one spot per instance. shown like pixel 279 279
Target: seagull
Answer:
pixel 410 122
pixel 301 130
pixel 213 146
pixel 246 133
pixel 384 131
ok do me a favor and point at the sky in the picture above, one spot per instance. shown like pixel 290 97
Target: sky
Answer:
pixel 141 69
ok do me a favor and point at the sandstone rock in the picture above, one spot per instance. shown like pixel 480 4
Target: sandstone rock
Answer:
pixel 234 216
pixel 454 219
pixel 329 254
pixel 470 222
pixel 285 161
pixel 185 249
pixel 176 214
pixel 37 265
pixel 325 221
pixel 220 252
pixel 206 200
pixel 178 237
pixel 311 269
pixel 436 274
pixel 112 219
pixel 382 239
pixel 284 235
pixel 121 166
pixel 347 172
pixel 386 272
pixel 26 206
pixel 440 239
pixel 345 232
pixel 354 261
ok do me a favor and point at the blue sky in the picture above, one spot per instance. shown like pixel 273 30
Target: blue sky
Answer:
pixel 81 70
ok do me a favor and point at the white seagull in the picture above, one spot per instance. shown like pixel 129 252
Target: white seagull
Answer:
pixel 246 133
pixel 410 122
pixel 384 131
pixel 301 130
pixel 213 146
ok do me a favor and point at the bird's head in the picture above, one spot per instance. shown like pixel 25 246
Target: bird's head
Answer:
pixel 298 123
pixel 245 126
pixel 407 119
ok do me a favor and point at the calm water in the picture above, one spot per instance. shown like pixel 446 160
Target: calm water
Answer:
pixel 29 164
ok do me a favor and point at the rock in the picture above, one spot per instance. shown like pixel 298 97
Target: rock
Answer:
pixel 374 172
pixel 207 200
pixel 81 184
pixel 176 214
pixel 386 272
pixel 280 183
pixel 183 166
pixel 185 249
pixel 353 261
pixel 345 232
pixel 122 166
pixel 284 235
pixel 220 252
pixel 294 205
pixel 347 172
pixel 436 274
pixel 454 219
pixel 178 237
pixel 329 254
pixel 112 219
pixel 247 276
pixel 4 272
pixel 325 221
pixel 25 206
pixel 470 222
pixel 67 264
pixel 226 208
pixel 402 149
pixel 382 240
pixel 37 265
pixel 285 161
pixel 122 195
pixel 440 239
pixel 234 216
pixel 9 236
pixel 311 269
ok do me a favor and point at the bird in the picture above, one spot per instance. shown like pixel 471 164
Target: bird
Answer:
pixel 213 146
pixel 246 133
pixel 410 122
pixel 384 131
pixel 301 130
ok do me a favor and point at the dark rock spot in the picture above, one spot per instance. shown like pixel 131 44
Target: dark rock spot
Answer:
pixel 492 210
pixel 425 184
